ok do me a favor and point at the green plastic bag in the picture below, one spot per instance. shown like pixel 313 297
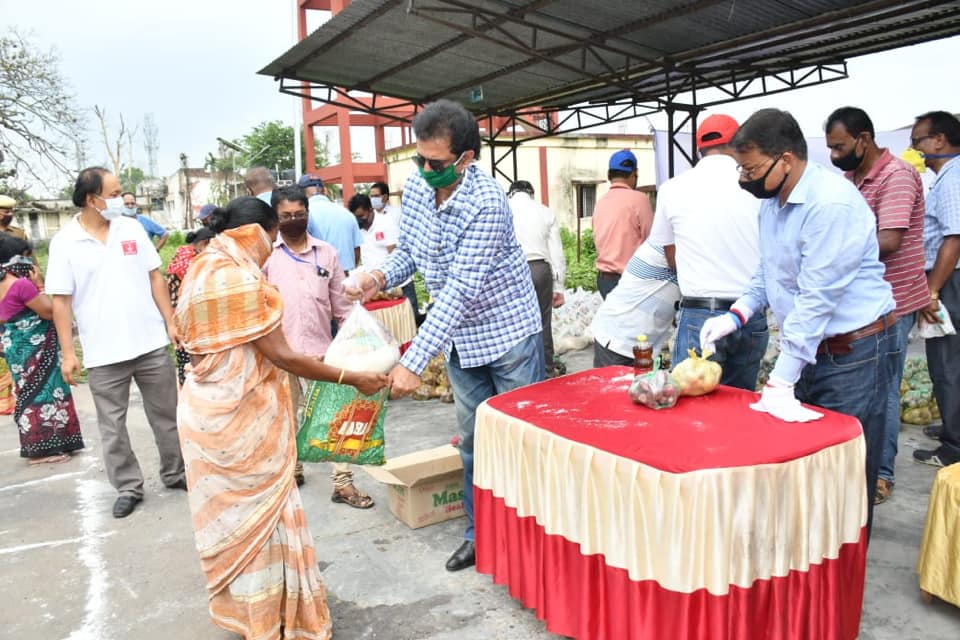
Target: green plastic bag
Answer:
pixel 342 425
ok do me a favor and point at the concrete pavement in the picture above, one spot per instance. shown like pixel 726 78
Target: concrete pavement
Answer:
pixel 72 572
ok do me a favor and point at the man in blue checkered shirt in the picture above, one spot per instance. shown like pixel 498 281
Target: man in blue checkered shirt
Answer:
pixel 937 136
pixel 457 230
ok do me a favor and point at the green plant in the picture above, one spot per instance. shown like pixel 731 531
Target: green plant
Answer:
pixel 582 273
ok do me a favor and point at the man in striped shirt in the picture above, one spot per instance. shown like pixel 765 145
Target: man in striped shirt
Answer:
pixel 893 189
pixel 457 230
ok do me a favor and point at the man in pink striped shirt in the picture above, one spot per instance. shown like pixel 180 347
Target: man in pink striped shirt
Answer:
pixel 893 189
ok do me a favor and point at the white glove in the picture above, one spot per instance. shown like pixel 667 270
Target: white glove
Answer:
pixel 715 328
pixel 778 400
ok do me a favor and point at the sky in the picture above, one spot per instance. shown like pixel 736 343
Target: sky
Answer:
pixel 193 64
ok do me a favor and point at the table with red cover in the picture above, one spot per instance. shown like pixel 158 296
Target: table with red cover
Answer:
pixel 708 520
pixel 397 316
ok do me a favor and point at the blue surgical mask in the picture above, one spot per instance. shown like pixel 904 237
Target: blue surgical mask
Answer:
pixel 376 202
pixel 130 211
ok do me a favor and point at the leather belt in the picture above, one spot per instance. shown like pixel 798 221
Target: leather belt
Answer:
pixel 713 304
pixel 839 345
pixel 612 274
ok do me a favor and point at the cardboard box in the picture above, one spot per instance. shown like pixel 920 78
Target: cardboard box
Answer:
pixel 424 487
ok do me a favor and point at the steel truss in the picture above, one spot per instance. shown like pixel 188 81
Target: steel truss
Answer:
pixel 507 129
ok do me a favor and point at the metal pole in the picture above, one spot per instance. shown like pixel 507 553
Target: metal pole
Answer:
pixel 297 105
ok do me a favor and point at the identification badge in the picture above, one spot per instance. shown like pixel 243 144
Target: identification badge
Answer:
pixel 378 236
pixel 129 247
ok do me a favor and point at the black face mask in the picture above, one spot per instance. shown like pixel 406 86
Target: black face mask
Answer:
pixel 364 223
pixel 848 162
pixel 756 187
pixel 6 220
pixel 293 228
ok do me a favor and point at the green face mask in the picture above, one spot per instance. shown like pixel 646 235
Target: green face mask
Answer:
pixel 444 178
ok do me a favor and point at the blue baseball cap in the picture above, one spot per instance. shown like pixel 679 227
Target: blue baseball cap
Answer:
pixel 310 180
pixel 623 160
pixel 205 211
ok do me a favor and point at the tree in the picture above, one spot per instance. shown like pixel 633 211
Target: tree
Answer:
pixel 270 144
pixel 37 113
pixel 123 142
pixel 131 178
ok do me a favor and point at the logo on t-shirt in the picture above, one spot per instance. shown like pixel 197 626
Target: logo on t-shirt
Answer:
pixel 378 236
pixel 129 247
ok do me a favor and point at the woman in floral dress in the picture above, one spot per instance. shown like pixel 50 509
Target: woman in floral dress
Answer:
pixel 44 412
pixel 197 241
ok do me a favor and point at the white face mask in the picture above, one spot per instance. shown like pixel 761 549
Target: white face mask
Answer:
pixel 114 208
pixel 377 202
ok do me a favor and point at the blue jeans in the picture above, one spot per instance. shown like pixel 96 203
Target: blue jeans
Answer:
pixel 739 353
pixel 518 367
pixel 892 428
pixel 856 383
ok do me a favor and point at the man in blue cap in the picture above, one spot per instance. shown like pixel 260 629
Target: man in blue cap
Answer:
pixel 204 216
pixel 332 223
pixel 621 220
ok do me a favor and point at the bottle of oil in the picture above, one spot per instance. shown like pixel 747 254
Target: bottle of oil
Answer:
pixel 642 356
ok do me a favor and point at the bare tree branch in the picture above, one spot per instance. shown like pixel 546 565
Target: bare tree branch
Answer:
pixel 38 119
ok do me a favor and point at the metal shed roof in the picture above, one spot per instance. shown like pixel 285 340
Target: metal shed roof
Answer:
pixel 531 54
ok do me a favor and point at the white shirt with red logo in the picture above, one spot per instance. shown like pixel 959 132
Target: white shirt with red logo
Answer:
pixel 117 317
pixel 382 234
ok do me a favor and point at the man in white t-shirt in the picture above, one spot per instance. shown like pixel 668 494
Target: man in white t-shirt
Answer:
pixel 708 227
pixel 380 201
pixel 380 232
pixel 104 271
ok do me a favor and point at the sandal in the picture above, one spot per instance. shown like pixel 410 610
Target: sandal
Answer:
pixel 884 489
pixel 63 457
pixel 352 496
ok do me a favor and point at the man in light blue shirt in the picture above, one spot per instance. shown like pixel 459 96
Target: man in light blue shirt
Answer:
pixel 937 136
pixel 157 234
pixel 457 230
pixel 260 183
pixel 332 223
pixel 821 275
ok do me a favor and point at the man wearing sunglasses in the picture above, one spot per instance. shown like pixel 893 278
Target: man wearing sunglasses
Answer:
pixel 820 273
pixel 457 230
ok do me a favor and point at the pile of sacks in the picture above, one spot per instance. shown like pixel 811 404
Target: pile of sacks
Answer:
pixel 571 322
pixel 917 404
pixel 434 382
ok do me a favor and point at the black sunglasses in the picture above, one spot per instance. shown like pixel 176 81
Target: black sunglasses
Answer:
pixel 435 165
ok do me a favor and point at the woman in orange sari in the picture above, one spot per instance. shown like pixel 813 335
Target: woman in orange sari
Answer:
pixel 237 433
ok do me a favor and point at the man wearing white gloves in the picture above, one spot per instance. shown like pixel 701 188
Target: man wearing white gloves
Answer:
pixel 821 274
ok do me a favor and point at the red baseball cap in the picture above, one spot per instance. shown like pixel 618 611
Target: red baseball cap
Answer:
pixel 716 129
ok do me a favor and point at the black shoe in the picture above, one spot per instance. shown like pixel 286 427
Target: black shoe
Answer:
pixel 932 457
pixel 124 506
pixel 463 557
pixel 179 484
pixel 933 431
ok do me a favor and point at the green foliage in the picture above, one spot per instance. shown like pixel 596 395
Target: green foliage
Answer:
pixel 174 242
pixel 269 144
pixel 581 274
pixel 130 179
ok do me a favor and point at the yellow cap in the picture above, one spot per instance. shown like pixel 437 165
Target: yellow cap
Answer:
pixel 915 158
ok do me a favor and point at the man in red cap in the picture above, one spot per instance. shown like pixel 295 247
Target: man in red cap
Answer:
pixel 707 226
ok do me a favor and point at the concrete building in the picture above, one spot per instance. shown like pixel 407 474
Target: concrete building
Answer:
pixel 568 172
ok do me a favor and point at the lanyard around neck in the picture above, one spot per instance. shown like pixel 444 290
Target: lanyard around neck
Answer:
pixel 323 273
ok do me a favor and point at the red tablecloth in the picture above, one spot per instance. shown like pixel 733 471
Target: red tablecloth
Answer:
pixel 708 520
